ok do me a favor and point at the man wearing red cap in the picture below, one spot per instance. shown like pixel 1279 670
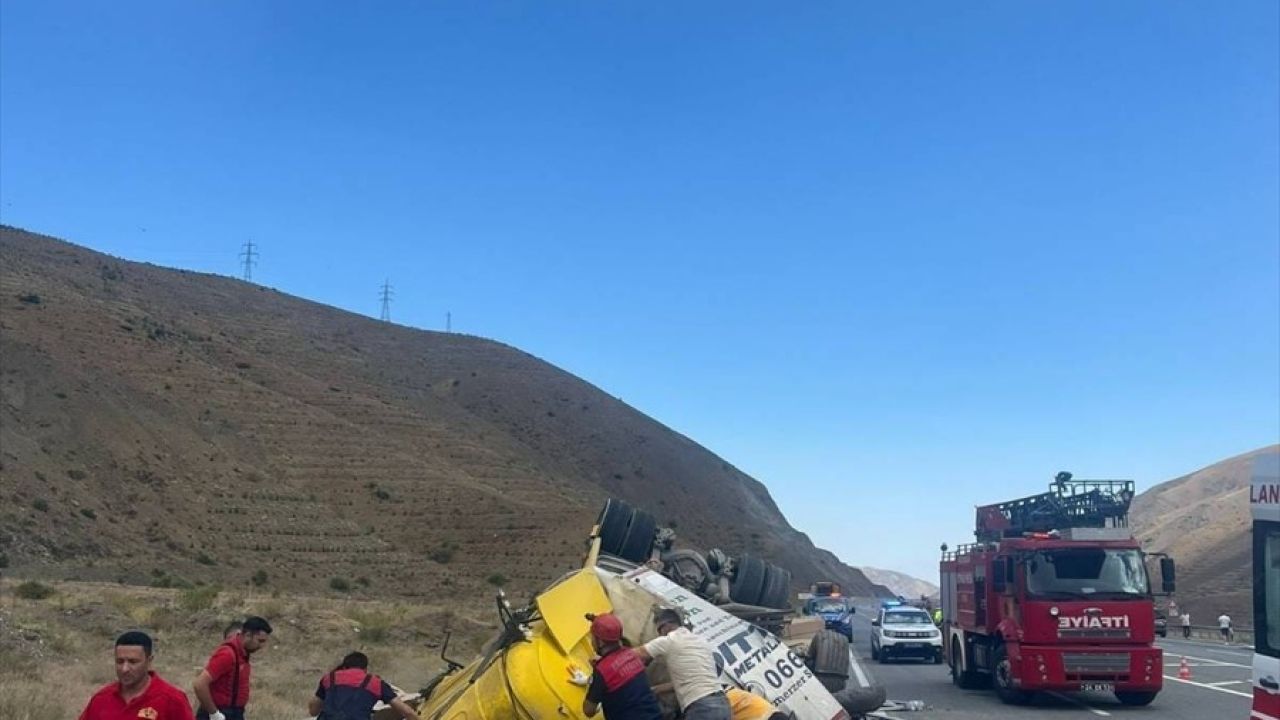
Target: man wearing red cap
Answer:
pixel 618 682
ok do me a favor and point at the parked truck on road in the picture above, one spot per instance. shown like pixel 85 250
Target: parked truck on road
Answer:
pixel 1054 595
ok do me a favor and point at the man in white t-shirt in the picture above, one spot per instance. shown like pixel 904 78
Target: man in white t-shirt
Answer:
pixel 1224 626
pixel 691 666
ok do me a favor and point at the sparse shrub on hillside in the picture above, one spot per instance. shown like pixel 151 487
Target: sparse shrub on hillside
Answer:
pixel 40 504
pixel 243 365
pixel 32 590
pixel 204 559
pixel 497 579
pixel 4 560
pixel 339 584
pixel 259 578
pixel 362 581
pixel 444 553
pixel 30 299
pixel 75 474
pixel 382 494
pixel 198 598
pixel 89 513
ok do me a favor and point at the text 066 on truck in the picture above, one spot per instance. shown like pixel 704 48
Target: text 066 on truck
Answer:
pixel 1054 596
pixel 1264 500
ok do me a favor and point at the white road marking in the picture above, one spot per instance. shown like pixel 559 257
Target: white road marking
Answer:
pixel 857 669
pixel 1227 682
pixel 1210 687
pixel 1209 662
pixel 1081 703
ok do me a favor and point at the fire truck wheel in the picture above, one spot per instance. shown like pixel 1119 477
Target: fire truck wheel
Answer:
pixel 1002 680
pixel 1132 697
pixel 749 580
pixel 963 679
pixel 639 540
pixel 614 518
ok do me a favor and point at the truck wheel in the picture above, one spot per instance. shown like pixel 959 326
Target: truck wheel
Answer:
pixel 777 587
pixel 638 542
pixel 963 679
pixel 748 582
pixel 1133 697
pixel 828 658
pixel 1002 679
pixel 614 518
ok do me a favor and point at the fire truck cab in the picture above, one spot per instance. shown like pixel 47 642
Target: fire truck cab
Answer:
pixel 1054 596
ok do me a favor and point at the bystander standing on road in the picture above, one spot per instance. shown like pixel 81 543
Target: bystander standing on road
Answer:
pixel 222 687
pixel 138 691
pixel 1186 624
pixel 1224 627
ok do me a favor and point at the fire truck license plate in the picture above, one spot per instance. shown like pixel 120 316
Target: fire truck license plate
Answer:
pixel 1100 687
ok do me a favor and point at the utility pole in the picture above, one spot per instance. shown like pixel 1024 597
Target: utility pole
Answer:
pixel 248 258
pixel 386 301
pixel 448 322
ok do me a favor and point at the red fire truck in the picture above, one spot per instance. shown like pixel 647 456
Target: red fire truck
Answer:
pixel 1054 595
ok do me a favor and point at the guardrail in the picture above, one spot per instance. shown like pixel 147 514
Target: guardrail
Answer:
pixel 1240 636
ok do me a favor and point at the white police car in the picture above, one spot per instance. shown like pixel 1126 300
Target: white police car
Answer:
pixel 902 631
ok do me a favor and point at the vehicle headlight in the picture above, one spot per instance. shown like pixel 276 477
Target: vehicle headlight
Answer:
pixel 891 633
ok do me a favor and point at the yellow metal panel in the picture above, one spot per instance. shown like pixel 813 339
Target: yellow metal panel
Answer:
pixel 565 606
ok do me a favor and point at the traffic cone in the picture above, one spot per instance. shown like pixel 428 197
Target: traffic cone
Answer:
pixel 1184 670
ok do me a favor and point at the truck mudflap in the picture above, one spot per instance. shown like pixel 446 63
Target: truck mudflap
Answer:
pixel 1088 668
pixel 747 656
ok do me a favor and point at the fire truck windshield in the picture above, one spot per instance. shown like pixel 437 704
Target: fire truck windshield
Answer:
pixel 1086 572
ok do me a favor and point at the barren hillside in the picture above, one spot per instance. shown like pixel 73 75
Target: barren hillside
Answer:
pixel 1202 520
pixel 162 426
pixel 900 584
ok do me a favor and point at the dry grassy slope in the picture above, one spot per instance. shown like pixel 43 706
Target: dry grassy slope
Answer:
pixel 1202 520
pixel 161 420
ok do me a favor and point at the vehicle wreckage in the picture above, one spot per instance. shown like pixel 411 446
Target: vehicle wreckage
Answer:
pixel 739 606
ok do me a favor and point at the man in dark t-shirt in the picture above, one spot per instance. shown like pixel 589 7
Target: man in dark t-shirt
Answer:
pixel 618 682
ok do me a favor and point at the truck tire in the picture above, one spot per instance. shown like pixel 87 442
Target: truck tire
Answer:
pixel 748 581
pixel 614 518
pixel 1135 698
pixel 828 658
pixel 638 542
pixel 1002 679
pixel 777 588
pixel 961 678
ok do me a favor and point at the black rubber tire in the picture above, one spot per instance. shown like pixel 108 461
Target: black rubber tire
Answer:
pixel 963 679
pixel 639 540
pixel 828 658
pixel 777 588
pixel 614 518
pixel 875 654
pixel 748 581
pixel 1135 698
pixel 937 657
pixel 1001 675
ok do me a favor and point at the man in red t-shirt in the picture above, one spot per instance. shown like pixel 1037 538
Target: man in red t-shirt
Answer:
pixel 138 692
pixel 222 688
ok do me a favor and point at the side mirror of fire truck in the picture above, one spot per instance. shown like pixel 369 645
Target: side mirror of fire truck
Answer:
pixel 1167 574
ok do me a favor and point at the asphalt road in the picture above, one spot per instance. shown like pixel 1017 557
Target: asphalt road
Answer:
pixel 1219 688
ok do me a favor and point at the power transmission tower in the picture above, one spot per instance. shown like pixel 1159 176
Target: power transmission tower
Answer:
pixel 385 297
pixel 248 258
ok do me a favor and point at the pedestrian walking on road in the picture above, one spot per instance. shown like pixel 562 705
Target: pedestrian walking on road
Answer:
pixel 1224 627
pixel 1186 624
pixel 138 691
pixel 618 684
pixel 691 665
pixel 349 692
pixel 222 687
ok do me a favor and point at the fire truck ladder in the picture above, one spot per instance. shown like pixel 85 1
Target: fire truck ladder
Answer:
pixel 1068 504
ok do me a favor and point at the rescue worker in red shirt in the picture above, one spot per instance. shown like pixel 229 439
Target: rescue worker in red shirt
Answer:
pixel 138 692
pixel 618 682
pixel 350 691
pixel 222 687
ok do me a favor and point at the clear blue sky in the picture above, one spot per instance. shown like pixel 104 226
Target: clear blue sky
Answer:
pixel 892 259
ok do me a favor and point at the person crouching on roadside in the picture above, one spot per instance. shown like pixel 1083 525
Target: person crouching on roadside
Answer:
pixel 618 683
pixel 222 687
pixel 692 667
pixel 350 691
pixel 138 691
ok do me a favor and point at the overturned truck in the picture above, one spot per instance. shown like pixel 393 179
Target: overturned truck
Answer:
pixel 739 606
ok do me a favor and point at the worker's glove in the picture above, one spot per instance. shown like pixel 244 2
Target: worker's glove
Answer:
pixel 579 678
pixel 217 715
